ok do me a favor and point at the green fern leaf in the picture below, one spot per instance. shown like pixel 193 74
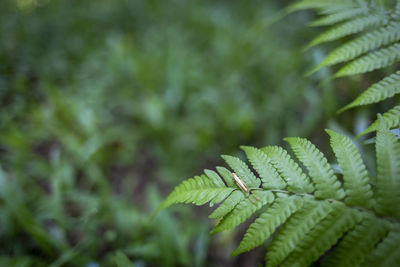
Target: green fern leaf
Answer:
pixel 375 60
pixel 369 41
pixel 298 182
pixel 352 26
pixel 391 118
pixel 227 176
pixel 325 180
pixel 331 19
pixel 229 204
pixel 214 177
pixel 357 243
pixel 268 174
pixel 323 236
pixel 388 180
pixel 243 210
pixel 264 226
pixel 295 229
pixel 198 190
pixel 379 91
pixel 387 253
pixel 356 182
pixel 242 171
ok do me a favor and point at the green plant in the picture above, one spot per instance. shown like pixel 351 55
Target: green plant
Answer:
pixel 351 218
pixel 376 46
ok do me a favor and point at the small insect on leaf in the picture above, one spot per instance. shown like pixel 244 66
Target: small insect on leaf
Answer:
pixel 240 183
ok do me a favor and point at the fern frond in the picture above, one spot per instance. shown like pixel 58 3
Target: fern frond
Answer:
pixel 388 180
pixel 352 26
pixel 243 171
pixel 375 39
pixel 337 17
pixel 264 226
pixel 307 224
pixel 375 60
pixel 379 91
pixel 198 190
pixel 243 210
pixel 295 229
pixel 356 182
pixel 323 236
pixel 387 253
pixel 391 118
pixel 325 180
pixel 290 170
pixel 229 204
pixel 357 243
pixel 268 174
pixel 227 176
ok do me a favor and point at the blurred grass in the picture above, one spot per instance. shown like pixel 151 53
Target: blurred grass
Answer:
pixel 106 105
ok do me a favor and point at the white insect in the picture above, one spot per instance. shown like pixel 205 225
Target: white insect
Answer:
pixel 244 187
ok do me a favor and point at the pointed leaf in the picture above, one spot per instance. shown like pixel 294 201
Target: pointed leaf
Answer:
pixel 227 176
pixel 369 41
pixel 323 236
pixel 357 243
pixel 268 174
pixel 375 60
pixel 243 210
pixel 264 226
pixel 214 177
pixel 198 190
pixel 229 204
pixel 391 118
pixel 295 229
pixel 325 180
pixel 387 253
pixel 355 176
pixel 241 169
pixel 290 170
pixel 352 26
pixel 388 180
pixel 379 91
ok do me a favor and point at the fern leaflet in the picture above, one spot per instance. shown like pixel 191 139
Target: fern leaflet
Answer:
pixel 326 183
pixel 198 190
pixel 369 41
pixel 228 205
pixel 268 174
pixel 375 60
pixel 349 27
pixel 388 159
pixel 242 211
pixel 379 91
pixel 387 253
pixel 227 176
pixel 323 236
pixel 355 176
pixel 264 226
pixel 290 170
pixel 391 118
pixel 294 231
pixel 338 17
pixel 242 171
pixel 357 243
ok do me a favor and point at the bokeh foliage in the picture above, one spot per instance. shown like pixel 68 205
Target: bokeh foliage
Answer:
pixel 106 105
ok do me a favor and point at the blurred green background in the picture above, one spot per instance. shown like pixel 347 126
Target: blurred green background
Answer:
pixel 107 105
